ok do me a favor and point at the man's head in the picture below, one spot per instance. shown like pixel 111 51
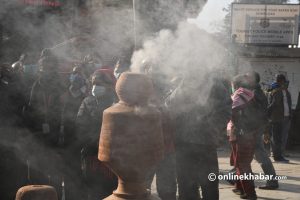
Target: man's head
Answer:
pixel 281 80
pixel 102 80
pixel 253 78
pixel 77 69
pixel 17 67
pixel 103 77
pixel 46 53
pixel 240 81
pixel 88 59
pixel 23 57
pixel 48 69
pixel 75 78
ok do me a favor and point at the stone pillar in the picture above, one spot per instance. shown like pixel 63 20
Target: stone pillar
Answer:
pixel 131 140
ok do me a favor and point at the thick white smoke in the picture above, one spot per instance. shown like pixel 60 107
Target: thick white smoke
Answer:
pixel 189 53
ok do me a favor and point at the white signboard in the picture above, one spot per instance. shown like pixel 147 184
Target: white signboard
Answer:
pixel 265 24
pixel 269 67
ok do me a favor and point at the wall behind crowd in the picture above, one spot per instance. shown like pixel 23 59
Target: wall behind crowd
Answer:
pixel 269 67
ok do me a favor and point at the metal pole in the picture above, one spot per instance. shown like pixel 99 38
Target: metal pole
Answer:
pixel 235 55
pixel 134 23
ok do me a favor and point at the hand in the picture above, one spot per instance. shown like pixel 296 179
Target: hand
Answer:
pixel 267 138
pixel 233 137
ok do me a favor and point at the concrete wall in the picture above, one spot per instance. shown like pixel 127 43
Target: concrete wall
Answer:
pixel 269 67
pixel 269 61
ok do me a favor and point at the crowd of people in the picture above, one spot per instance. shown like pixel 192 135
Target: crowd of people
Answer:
pixel 64 113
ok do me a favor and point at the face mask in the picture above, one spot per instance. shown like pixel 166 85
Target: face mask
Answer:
pixel 72 77
pixel 117 73
pixel 98 91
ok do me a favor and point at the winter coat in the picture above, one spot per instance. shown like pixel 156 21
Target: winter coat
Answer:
pixel 242 100
pixel 45 105
pixel 262 101
pixel 201 123
pixel 89 116
pixel 276 105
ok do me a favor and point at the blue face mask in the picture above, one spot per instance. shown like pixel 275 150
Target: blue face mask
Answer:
pixel 98 91
pixel 72 77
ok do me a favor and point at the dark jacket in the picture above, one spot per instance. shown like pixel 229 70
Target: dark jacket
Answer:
pixel 167 123
pixel 261 104
pixel 276 105
pixel 45 105
pixel 261 98
pixel 202 124
pixel 89 117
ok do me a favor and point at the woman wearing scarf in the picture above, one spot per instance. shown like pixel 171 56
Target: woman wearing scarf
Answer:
pixel 242 135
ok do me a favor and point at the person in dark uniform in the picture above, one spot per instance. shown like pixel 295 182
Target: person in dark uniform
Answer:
pixel 197 128
pixel 279 109
pixel 45 106
pixel 99 179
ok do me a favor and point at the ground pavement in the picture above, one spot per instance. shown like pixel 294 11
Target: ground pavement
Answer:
pixel 288 189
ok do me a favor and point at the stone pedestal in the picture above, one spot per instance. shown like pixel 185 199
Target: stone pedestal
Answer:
pixel 36 192
pixel 131 140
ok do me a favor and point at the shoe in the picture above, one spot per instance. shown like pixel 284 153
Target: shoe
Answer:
pixel 268 187
pixel 281 160
pixel 237 191
pixel 247 196
pixel 231 182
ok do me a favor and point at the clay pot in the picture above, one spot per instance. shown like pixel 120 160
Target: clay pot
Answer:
pixel 131 140
pixel 134 89
pixel 36 192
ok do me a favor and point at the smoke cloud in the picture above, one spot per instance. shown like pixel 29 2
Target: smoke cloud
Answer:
pixel 189 53
pixel 183 50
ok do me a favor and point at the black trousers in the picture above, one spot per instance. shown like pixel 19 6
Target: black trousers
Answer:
pixel 277 140
pixel 194 163
pixel 165 178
